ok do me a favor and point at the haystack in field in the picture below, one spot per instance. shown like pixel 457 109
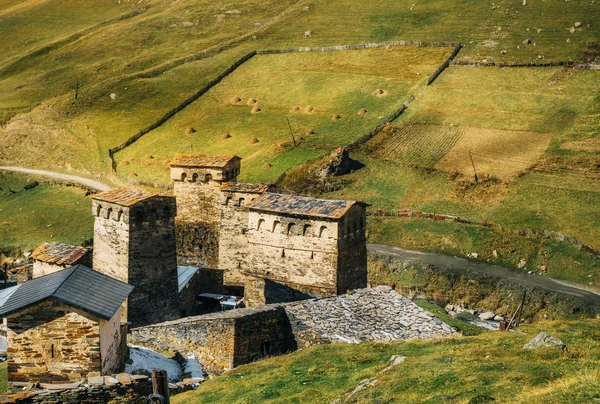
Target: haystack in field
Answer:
pixel 225 136
pixel 309 109
pixel 267 165
pixel 336 118
pixel 236 100
pixel 253 140
pixel 190 130
pixel 251 101
pixel 295 109
pixel 362 111
pixel 255 110
pixel 380 93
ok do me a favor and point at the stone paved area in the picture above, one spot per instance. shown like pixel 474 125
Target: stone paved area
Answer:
pixel 379 314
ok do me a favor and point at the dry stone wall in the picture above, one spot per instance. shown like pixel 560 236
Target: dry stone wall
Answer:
pixel 50 342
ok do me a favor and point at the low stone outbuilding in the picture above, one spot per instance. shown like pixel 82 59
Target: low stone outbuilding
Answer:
pixel 52 257
pixel 65 326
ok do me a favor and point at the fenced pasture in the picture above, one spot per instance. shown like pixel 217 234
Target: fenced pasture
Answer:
pixel 330 99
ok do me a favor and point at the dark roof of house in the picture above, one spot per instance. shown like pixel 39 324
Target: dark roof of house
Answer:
pixel 59 253
pixel 126 196
pixel 78 286
pixel 242 187
pixel 208 161
pixel 301 206
pixel 185 275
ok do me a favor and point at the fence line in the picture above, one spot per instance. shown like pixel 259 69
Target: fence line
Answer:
pixel 448 218
pixel 574 65
pixel 372 45
pixel 445 64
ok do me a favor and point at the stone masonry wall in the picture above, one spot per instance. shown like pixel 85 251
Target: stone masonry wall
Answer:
pixel 294 250
pixel 153 263
pixel 352 251
pixel 198 220
pixel 221 340
pixel 111 344
pixel 51 342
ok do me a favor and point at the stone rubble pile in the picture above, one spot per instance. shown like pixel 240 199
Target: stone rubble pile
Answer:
pixel 379 314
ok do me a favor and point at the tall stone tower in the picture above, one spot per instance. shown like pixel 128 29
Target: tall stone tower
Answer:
pixel 134 241
pixel 197 184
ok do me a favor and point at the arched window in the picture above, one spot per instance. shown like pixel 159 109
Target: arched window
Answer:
pixel 98 210
pixel 194 177
pixel 306 230
pixel 242 202
pixel 207 178
pixel 119 215
pixel 291 228
pixel 228 200
pixel 323 231
pixel 183 176
pixel 261 224
pixel 108 213
pixel 283 253
pixel 276 225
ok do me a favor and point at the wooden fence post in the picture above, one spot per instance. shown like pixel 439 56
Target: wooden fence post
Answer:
pixel 160 384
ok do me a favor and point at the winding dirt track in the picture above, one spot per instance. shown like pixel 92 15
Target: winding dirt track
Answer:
pixel 446 262
pixel 95 185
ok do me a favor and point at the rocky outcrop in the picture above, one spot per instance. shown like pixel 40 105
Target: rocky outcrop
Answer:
pixel 544 340
pixel 339 163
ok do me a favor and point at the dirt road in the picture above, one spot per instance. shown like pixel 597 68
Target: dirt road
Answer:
pixel 454 263
pixel 95 185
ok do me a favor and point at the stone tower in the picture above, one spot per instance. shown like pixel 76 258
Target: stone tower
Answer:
pixel 134 241
pixel 196 184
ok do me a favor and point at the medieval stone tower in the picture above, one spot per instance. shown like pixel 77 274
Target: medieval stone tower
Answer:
pixel 196 184
pixel 134 241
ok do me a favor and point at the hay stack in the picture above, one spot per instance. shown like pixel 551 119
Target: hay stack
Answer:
pixel 309 132
pixel 295 109
pixel 267 165
pixel 255 110
pixel 190 130
pixel 226 136
pixel 236 100
pixel 149 156
pixel 380 93
pixel 132 175
pixel 362 111
pixel 336 118
pixel 309 109
pixel 251 101
pixel 253 140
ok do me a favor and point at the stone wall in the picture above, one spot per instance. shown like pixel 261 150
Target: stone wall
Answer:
pixel 136 244
pixel 198 219
pixel 111 344
pixel 51 342
pixel 153 263
pixel 221 340
pixel 352 251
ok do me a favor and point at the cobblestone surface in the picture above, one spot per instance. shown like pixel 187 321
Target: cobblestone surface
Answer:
pixel 379 314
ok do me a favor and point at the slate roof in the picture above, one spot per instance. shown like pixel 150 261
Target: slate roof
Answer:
pixel 126 196
pixel 208 161
pixel 301 206
pixel 241 187
pixel 59 253
pixel 185 275
pixel 78 286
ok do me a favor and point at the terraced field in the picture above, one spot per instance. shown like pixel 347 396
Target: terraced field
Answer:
pixel 423 145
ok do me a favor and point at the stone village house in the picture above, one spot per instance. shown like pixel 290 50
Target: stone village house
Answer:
pixel 65 326
pixel 52 257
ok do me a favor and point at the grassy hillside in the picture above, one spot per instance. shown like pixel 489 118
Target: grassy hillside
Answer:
pixel 309 89
pixel 491 366
pixel 47 212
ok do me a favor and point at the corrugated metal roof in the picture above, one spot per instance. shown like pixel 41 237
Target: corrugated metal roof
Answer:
pixel 207 161
pixel 185 275
pixel 78 286
pixel 242 187
pixel 301 206
pixel 126 196
pixel 58 253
